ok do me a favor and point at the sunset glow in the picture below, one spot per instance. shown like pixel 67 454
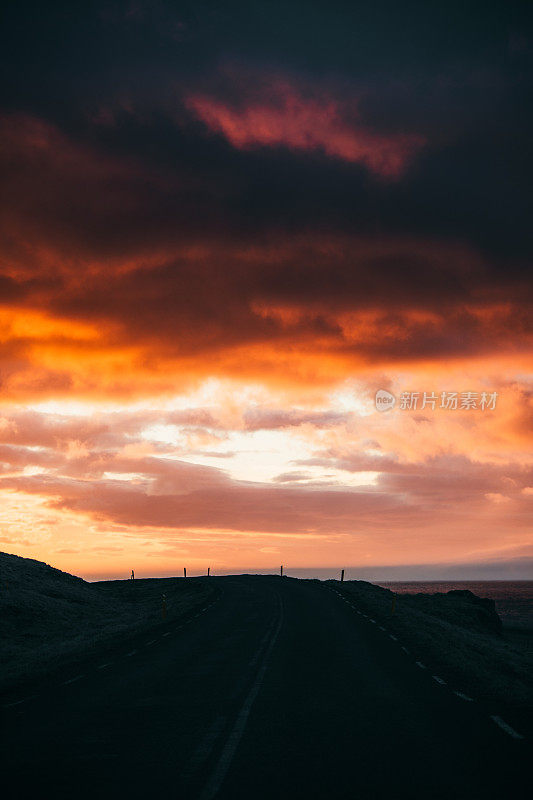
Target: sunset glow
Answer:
pixel 207 272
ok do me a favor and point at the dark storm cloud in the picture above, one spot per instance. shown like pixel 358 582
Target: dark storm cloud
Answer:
pixel 250 173
pixel 457 75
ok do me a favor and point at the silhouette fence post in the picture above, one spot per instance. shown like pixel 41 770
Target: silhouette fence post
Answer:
pixel 132 576
pixel 281 570
pixel 208 571
pixel 184 572
pixel 342 575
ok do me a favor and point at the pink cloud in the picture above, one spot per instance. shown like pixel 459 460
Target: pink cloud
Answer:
pixel 284 114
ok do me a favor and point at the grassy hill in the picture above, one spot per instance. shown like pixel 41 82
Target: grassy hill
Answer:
pixel 458 635
pixel 48 616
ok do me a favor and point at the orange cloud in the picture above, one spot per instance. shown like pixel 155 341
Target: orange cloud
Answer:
pixel 106 290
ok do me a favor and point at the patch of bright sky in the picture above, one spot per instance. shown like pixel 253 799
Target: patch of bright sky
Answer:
pixel 130 477
pixel 216 393
pixel 210 393
pixel 73 408
pixel 163 434
pixel 350 397
pixel 260 456
pixel 30 469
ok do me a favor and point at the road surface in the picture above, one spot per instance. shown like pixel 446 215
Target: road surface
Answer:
pixel 277 689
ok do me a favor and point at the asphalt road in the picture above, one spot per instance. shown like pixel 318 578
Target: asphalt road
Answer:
pixel 278 689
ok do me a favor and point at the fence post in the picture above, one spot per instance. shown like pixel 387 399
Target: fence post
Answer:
pixel 184 572
pixel 281 570
pixel 208 571
pixel 342 575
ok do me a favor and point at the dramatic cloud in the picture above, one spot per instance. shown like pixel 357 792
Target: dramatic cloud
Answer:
pixel 222 232
pixel 275 112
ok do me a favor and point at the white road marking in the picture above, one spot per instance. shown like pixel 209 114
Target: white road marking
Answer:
pixel 216 780
pixel 394 638
pixel 73 680
pixel 167 634
pixel 372 620
pixel 203 751
pixel 405 650
pixel 382 628
pixel 439 680
pixel 152 641
pixel 131 654
pixel 18 702
pixel 505 727
pixel 103 666
pixel 464 697
pixel 419 664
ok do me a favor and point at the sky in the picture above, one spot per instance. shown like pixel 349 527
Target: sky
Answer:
pixel 225 227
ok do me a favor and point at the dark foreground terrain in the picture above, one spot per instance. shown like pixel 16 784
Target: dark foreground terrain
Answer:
pixel 274 688
pixel 50 618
